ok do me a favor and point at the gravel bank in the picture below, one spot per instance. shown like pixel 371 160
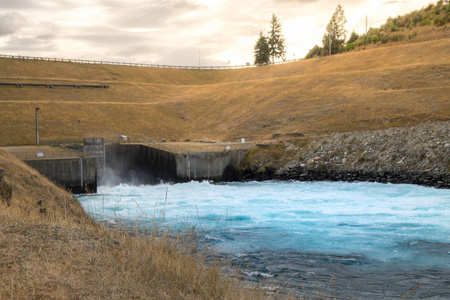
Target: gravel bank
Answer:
pixel 418 154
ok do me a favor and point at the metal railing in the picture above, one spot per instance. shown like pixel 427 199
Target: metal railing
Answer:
pixel 175 147
pixel 51 85
pixel 196 148
pixel 99 62
pixel 61 142
pixel 46 154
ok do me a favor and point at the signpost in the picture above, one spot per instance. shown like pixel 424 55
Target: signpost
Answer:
pixel 37 127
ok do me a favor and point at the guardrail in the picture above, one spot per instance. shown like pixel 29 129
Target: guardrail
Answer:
pixel 60 142
pixel 196 148
pixel 46 154
pixel 99 62
pixel 175 147
pixel 51 85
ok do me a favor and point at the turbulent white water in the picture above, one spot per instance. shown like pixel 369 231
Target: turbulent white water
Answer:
pixel 379 240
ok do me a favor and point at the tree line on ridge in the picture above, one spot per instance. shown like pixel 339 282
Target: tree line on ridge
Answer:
pixel 272 46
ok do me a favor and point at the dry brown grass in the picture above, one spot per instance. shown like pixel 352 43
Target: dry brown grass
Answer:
pixel 63 254
pixel 385 86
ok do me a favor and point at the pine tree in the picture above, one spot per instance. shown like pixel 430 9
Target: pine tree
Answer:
pixel 276 40
pixel 262 55
pixel 353 37
pixel 315 51
pixel 335 31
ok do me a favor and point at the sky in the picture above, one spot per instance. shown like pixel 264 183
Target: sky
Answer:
pixel 177 32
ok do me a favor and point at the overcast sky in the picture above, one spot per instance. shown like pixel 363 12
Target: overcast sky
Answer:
pixel 176 32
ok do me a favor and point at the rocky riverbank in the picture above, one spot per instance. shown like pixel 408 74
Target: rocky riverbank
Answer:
pixel 417 155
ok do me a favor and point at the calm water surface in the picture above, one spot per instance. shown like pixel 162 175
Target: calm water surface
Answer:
pixel 378 241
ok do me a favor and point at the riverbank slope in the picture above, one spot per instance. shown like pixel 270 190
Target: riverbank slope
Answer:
pixel 50 248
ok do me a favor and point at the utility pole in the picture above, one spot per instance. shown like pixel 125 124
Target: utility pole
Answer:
pixel 366 29
pixel 37 126
pixel 329 37
pixel 199 59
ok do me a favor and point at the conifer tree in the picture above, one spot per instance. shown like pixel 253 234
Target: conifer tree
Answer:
pixel 276 40
pixel 335 31
pixel 262 55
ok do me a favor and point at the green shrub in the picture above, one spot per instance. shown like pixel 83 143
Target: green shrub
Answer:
pixel 412 36
pixel 437 10
pixel 425 22
pixel 393 28
pixel 417 18
pixel 438 21
pixel 375 39
pixel 349 46
pixel 384 39
pixel 397 38
pixel 373 31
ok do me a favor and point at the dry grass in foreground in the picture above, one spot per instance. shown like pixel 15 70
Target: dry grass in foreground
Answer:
pixel 50 249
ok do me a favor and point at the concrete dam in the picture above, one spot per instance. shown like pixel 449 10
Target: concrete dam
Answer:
pixel 143 164
pixel 81 168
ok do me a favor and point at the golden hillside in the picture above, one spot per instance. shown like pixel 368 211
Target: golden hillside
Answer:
pixel 399 84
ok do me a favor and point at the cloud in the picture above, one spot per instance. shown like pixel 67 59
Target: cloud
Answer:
pixel 295 1
pixel 27 45
pixel 11 23
pixel 173 31
pixel 155 14
pixel 19 4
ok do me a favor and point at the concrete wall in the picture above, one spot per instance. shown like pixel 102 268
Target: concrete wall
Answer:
pixel 73 173
pixel 218 166
pixel 96 147
pixel 141 164
pixel 137 164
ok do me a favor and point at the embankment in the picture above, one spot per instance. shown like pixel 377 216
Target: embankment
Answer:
pixel 418 155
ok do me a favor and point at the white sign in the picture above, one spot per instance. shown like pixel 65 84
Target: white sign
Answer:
pixel 40 154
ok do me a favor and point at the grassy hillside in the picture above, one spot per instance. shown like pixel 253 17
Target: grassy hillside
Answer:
pixel 50 249
pixel 398 85
pixel 402 28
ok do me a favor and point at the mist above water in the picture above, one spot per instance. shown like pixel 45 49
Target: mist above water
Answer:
pixel 380 234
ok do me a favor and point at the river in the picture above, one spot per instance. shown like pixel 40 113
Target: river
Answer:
pixel 364 240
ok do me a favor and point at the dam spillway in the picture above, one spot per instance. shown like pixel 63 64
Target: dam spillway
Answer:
pixel 150 164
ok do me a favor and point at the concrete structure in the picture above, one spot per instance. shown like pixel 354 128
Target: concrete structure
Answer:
pixel 77 174
pixel 219 166
pixel 142 164
pixel 96 147
pixel 131 163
